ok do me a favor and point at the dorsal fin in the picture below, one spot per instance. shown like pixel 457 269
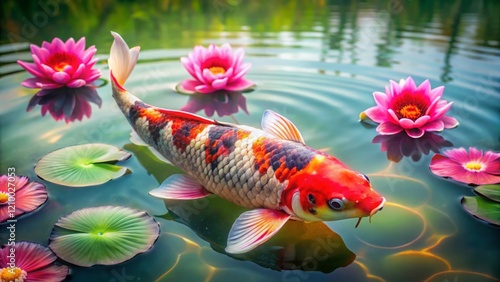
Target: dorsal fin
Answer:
pixel 186 115
pixel 280 126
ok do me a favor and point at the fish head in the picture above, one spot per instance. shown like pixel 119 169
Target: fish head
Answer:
pixel 328 190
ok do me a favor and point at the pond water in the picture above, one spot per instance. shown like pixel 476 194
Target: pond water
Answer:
pixel 316 63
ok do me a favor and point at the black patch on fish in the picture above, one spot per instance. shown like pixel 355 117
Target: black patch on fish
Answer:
pixel 134 112
pixel 221 141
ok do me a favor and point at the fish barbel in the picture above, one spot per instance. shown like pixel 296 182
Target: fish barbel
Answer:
pixel 270 171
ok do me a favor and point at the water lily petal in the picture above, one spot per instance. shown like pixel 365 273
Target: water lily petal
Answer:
pixel 31 68
pixel 392 117
pixel 188 65
pixel 242 71
pixel 41 53
pixel 415 132
pixel 381 99
pixel 449 122
pixel 61 77
pixel 395 89
pixel 190 84
pixel 30 82
pixel 376 114
pixel 492 161
pixel 458 155
pixel 51 273
pixel 48 71
pixel 406 123
pixel 219 84
pixel 475 155
pixel 444 166
pixel 436 92
pixel 440 112
pixel 31 197
pixel 431 110
pixel 208 76
pixel 57 46
pixel 409 86
pixel 436 125
pixel 421 121
pixel 239 85
pixel 238 56
pixel 388 128
pixel 204 89
pixel 47 84
pixel 88 56
pixel 77 83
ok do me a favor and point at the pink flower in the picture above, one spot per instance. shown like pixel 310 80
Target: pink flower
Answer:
pixel 215 68
pixel 225 103
pixel 471 168
pixel 59 64
pixel 66 103
pixel 415 110
pixel 33 263
pixel 25 197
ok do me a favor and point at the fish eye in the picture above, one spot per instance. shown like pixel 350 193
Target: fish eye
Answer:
pixel 336 204
pixel 311 199
pixel 365 177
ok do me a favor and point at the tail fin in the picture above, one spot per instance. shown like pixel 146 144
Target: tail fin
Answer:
pixel 121 60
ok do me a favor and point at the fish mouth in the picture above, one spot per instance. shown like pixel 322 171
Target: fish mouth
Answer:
pixel 374 211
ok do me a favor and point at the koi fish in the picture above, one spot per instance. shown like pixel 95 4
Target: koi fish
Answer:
pixel 270 171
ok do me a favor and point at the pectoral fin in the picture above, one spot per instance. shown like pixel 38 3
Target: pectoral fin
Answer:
pixel 179 187
pixel 280 126
pixel 252 228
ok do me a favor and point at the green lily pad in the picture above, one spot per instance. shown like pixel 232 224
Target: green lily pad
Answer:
pixel 482 208
pixel 103 235
pixel 82 165
pixel 491 191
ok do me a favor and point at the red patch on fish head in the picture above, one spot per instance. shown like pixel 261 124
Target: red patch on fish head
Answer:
pixel 329 190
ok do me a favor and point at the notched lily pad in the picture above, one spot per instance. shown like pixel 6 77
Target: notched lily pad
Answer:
pixel 105 235
pixel 491 191
pixel 82 165
pixel 482 208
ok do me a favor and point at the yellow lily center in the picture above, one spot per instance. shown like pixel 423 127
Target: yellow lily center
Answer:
pixel 473 166
pixel 410 111
pixel 12 274
pixel 60 66
pixel 217 70
pixel 3 198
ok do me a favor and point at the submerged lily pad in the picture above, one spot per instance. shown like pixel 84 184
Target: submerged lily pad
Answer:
pixel 482 208
pixel 82 165
pixel 103 235
pixel 491 191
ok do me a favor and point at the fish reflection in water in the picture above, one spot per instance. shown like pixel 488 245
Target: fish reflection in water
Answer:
pixel 298 246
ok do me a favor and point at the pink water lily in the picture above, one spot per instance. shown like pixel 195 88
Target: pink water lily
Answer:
pixel 215 68
pixel 18 192
pixel 414 109
pixel 59 64
pixel 32 263
pixel 473 167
